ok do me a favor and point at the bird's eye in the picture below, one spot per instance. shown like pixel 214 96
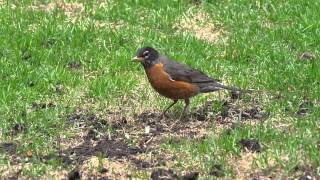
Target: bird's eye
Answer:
pixel 146 53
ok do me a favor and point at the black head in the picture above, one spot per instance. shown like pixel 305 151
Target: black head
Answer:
pixel 147 56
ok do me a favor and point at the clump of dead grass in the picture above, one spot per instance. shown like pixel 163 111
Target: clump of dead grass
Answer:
pixel 113 169
pixel 200 25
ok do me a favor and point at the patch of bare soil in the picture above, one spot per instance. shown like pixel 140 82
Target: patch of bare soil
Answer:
pixel 26 54
pixel 251 145
pixel 129 143
pixel 305 107
pixel 166 174
pixel 162 174
pixel 9 148
pixel 216 170
pixel 41 105
pixel 232 112
pixel 18 128
pixel 112 144
pixel 301 172
pixel 200 25
pixel 134 142
pixel 305 56
pixel 74 64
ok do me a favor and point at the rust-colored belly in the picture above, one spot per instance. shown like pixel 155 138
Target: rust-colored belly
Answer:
pixel 161 82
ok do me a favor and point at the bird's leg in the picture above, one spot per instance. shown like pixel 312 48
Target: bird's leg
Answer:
pixel 187 101
pixel 164 112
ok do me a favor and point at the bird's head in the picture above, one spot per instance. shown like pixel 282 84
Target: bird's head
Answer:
pixel 147 56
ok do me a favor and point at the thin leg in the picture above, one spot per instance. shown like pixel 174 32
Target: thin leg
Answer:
pixel 187 101
pixel 164 112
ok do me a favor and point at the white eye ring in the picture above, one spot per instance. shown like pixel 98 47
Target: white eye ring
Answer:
pixel 145 53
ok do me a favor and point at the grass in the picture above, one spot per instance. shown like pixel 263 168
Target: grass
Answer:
pixel 86 50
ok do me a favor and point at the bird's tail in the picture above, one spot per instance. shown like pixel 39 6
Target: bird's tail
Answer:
pixel 216 86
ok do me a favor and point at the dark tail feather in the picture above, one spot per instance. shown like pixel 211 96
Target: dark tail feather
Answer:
pixel 204 88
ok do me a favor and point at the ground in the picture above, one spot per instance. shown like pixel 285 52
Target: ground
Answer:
pixel 73 105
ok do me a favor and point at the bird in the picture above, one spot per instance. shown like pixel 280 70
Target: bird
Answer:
pixel 175 80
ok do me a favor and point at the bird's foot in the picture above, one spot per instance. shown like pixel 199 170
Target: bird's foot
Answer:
pixel 163 116
pixel 184 118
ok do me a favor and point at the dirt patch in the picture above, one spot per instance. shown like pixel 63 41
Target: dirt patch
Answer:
pixel 163 174
pixel 217 170
pixel 49 42
pixel 154 125
pixel 203 112
pixel 302 172
pixel 231 111
pixel 81 115
pixel 111 144
pixel 305 172
pixel 252 145
pixel 200 25
pixel 195 2
pixel 59 88
pixel 104 169
pixel 40 105
pixel 305 56
pixel 74 64
pixel 26 54
pixel 112 25
pixel 74 174
pixel 115 149
pixel 9 148
pixel 166 174
pixel 18 128
pixel 305 107
pixel 243 165
pixel 191 176
pixel 130 140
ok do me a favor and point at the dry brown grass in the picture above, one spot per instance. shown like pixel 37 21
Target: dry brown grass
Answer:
pixel 114 169
pixel 243 165
pixel 70 9
pixel 200 25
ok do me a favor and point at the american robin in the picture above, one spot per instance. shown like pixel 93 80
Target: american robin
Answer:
pixel 174 80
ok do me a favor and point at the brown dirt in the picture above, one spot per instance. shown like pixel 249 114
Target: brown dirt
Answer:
pixel 216 170
pixel 231 112
pixel 74 64
pixel 163 174
pixel 302 172
pixel 41 105
pixel 305 107
pixel 251 145
pixel 130 142
pixel 116 144
pixel 17 129
pixel 307 56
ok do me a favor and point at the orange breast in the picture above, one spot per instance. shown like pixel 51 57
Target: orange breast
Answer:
pixel 164 85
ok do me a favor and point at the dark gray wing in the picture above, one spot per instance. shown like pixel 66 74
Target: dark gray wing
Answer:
pixel 181 72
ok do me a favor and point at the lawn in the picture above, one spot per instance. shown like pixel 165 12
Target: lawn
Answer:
pixel 72 104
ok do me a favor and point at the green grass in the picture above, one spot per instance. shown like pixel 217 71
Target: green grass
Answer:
pixel 259 49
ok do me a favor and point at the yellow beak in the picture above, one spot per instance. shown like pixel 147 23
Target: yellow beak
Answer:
pixel 137 59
